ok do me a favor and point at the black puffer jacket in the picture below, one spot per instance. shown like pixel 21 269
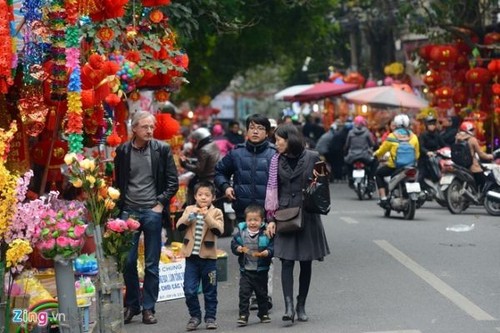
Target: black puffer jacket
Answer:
pixel 248 164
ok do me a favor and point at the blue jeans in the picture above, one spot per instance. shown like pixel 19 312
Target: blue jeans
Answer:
pixel 205 270
pixel 151 224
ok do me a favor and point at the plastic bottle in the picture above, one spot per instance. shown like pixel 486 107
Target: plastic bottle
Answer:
pixel 460 227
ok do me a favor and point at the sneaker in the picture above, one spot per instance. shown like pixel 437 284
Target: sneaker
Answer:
pixel 253 304
pixel 211 324
pixel 193 324
pixel 265 319
pixel 242 320
pixel 384 203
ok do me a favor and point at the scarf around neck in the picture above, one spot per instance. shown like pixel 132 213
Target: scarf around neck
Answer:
pixel 272 204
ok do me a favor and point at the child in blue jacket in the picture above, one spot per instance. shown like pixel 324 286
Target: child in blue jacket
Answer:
pixel 254 250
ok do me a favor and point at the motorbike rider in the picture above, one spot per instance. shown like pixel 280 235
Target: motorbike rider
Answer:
pixel 205 155
pixel 359 146
pixel 430 141
pixel 466 132
pixel 401 133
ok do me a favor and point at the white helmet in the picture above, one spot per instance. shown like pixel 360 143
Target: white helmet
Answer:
pixel 200 134
pixel 401 121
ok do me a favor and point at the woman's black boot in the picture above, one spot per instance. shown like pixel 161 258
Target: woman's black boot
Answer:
pixel 289 310
pixel 301 309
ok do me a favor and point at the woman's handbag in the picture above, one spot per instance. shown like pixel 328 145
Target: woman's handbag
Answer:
pixel 317 196
pixel 288 220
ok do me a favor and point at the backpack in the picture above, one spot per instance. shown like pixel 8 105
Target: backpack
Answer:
pixel 405 155
pixel 460 153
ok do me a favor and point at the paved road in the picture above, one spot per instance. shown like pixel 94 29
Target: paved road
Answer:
pixel 385 275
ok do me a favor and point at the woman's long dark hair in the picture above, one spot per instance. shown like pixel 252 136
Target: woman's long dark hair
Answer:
pixel 294 138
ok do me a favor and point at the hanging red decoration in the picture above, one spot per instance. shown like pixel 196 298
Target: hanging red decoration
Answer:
pixel 156 16
pixel 432 78
pixel 105 34
pixel 161 95
pixel 112 100
pixel 444 92
pixel 108 9
pixel 495 88
pixel 492 38
pixel 478 76
pixel 459 96
pixel 113 139
pixel 494 66
pixel 166 126
pixel 425 51
pixel 355 78
pixel 444 54
pixel 153 3
pixel 134 96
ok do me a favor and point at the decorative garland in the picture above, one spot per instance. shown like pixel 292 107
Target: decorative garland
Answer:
pixel 32 50
pixel 57 16
pixel 7 46
pixel 74 126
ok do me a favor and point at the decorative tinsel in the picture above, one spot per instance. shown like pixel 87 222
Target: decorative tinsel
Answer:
pixel 57 16
pixel 32 57
pixel 6 45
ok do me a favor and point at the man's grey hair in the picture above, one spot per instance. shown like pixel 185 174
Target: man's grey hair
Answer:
pixel 136 117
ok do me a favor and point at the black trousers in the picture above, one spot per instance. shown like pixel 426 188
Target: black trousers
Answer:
pixel 253 281
pixel 382 172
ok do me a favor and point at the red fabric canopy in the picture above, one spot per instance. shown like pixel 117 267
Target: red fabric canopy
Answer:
pixel 322 90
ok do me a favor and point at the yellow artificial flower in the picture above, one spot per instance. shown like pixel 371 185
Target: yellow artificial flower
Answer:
pixel 77 183
pixel 91 165
pixel 113 193
pixel 17 252
pixel 91 179
pixel 85 164
pixel 109 204
pixel 69 158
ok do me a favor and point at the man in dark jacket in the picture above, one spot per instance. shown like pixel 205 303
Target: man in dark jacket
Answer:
pixel 430 141
pixel 242 174
pixel 449 130
pixel 146 176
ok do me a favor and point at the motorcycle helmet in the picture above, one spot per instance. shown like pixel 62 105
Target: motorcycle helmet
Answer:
pixel 467 127
pixel 401 121
pixel 430 120
pixel 199 135
pixel 359 121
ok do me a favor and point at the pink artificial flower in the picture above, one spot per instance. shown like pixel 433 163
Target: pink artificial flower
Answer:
pixel 63 241
pixel 48 244
pixel 116 225
pixel 133 224
pixel 79 230
pixel 63 225
pixel 75 243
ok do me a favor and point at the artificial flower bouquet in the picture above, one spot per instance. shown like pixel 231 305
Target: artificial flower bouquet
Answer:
pixel 62 233
pixel 100 199
pixel 118 238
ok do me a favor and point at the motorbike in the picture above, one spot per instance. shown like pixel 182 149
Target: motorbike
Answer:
pixel 403 192
pixel 431 187
pixel 362 184
pixel 462 190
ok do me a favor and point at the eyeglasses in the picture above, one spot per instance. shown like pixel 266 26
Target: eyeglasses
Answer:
pixel 256 128
pixel 146 127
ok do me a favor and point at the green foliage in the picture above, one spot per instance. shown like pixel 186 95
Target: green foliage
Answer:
pixel 233 36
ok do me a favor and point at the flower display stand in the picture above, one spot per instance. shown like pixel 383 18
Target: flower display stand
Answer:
pixel 66 296
pixel 109 291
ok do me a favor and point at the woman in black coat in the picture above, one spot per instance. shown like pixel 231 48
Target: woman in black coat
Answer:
pixel 289 174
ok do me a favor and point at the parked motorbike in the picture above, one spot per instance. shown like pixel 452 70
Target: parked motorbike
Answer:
pixel 362 184
pixel 403 192
pixel 462 190
pixel 431 187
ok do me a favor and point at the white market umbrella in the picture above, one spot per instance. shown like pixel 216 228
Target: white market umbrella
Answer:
pixel 291 91
pixel 386 95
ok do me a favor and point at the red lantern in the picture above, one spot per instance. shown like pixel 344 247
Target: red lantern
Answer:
pixel 166 126
pixel 459 96
pixel 444 54
pixel 494 66
pixel 478 75
pixel 444 92
pixel 495 88
pixel 425 51
pixel 156 16
pixel 492 38
pixel 432 79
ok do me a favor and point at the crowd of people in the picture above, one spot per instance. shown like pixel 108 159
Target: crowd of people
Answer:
pixel 259 172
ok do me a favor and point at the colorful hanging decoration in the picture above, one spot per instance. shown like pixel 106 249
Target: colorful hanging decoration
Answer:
pixel 34 28
pixel 166 126
pixel 7 46
pixel 59 77
pixel 74 125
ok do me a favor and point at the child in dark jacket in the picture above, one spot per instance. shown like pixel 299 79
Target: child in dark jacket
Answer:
pixel 254 250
